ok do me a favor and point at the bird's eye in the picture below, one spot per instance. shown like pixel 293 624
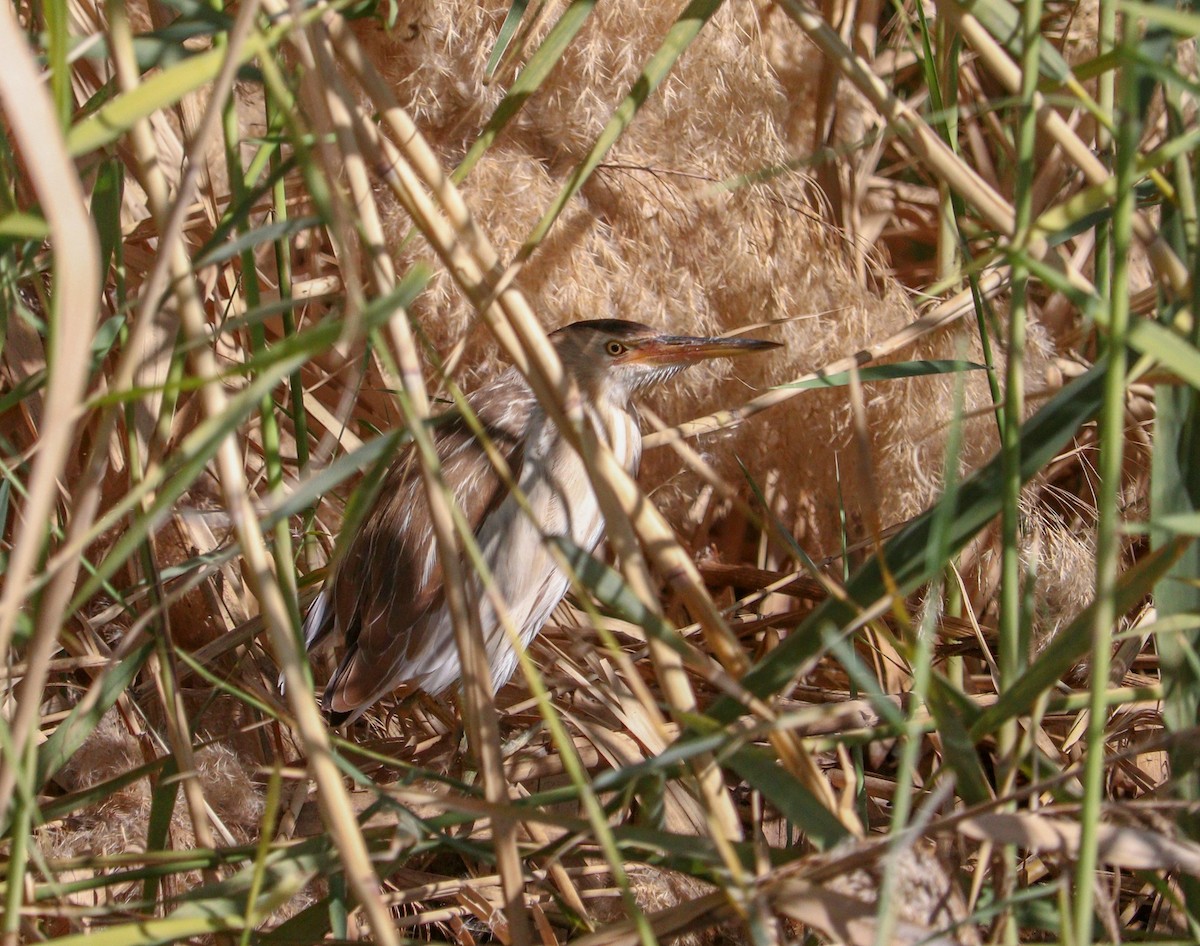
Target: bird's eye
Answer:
pixel 614 348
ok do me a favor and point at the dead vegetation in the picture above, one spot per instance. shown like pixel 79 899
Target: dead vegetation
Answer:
pixel 892 686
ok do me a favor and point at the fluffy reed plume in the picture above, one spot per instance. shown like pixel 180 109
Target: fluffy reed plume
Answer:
pixel 670 231
pixel 118 823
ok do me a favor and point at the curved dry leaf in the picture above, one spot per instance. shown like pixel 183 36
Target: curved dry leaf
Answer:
pixel 703 911
pixel 1135 848
pixel 843 918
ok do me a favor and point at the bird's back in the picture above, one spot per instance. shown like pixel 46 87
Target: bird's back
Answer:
pixel 387 596
pixel 388 583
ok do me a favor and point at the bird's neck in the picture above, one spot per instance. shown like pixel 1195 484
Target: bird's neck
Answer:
pixel 609 412
pixel 615 420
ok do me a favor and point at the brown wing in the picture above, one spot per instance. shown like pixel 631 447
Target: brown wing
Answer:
pixel 390 577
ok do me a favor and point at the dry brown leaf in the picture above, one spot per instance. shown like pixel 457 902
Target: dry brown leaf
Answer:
pixel 1133 848
pixel 842 918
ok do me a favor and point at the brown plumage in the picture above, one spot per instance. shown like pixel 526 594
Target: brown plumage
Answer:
pixel 386 597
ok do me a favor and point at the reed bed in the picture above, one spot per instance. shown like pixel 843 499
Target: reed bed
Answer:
pixel 895 639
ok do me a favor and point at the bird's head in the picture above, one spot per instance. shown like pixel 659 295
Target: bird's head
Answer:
pixel 619 358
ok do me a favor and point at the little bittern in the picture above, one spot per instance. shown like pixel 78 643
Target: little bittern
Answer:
pixel 386 596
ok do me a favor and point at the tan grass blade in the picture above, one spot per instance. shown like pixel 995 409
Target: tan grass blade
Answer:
pixel 259 570
pixel 76 272
pixel 1119 846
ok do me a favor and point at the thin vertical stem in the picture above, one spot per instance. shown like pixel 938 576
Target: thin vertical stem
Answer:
pixel 1106 86
pixel 1175 490
pixel 949 240
pixel 283 271
pixel 1112 454
pixel 1013 646
pixel 58 45
pixel 922 670
pixel 268 422
pixel 19 836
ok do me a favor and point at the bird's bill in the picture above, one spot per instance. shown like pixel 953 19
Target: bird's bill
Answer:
pixel 683 349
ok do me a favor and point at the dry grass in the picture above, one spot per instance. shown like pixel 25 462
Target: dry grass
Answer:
pixel 856 679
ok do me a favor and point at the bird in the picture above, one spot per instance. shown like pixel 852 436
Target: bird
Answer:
pixel 384 596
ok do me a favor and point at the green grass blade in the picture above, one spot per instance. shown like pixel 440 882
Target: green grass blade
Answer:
pixel 978 501
pixel 533 74
pixel 954 713
pixel 21 225
pixel 1073 641
pixel 508 30
pixel 1170 349
pixel 164 89
pixel 794 801
pixel 1003 20
pixel 153 932
pixel 892 372
pixel 678 39
pixel 71 733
